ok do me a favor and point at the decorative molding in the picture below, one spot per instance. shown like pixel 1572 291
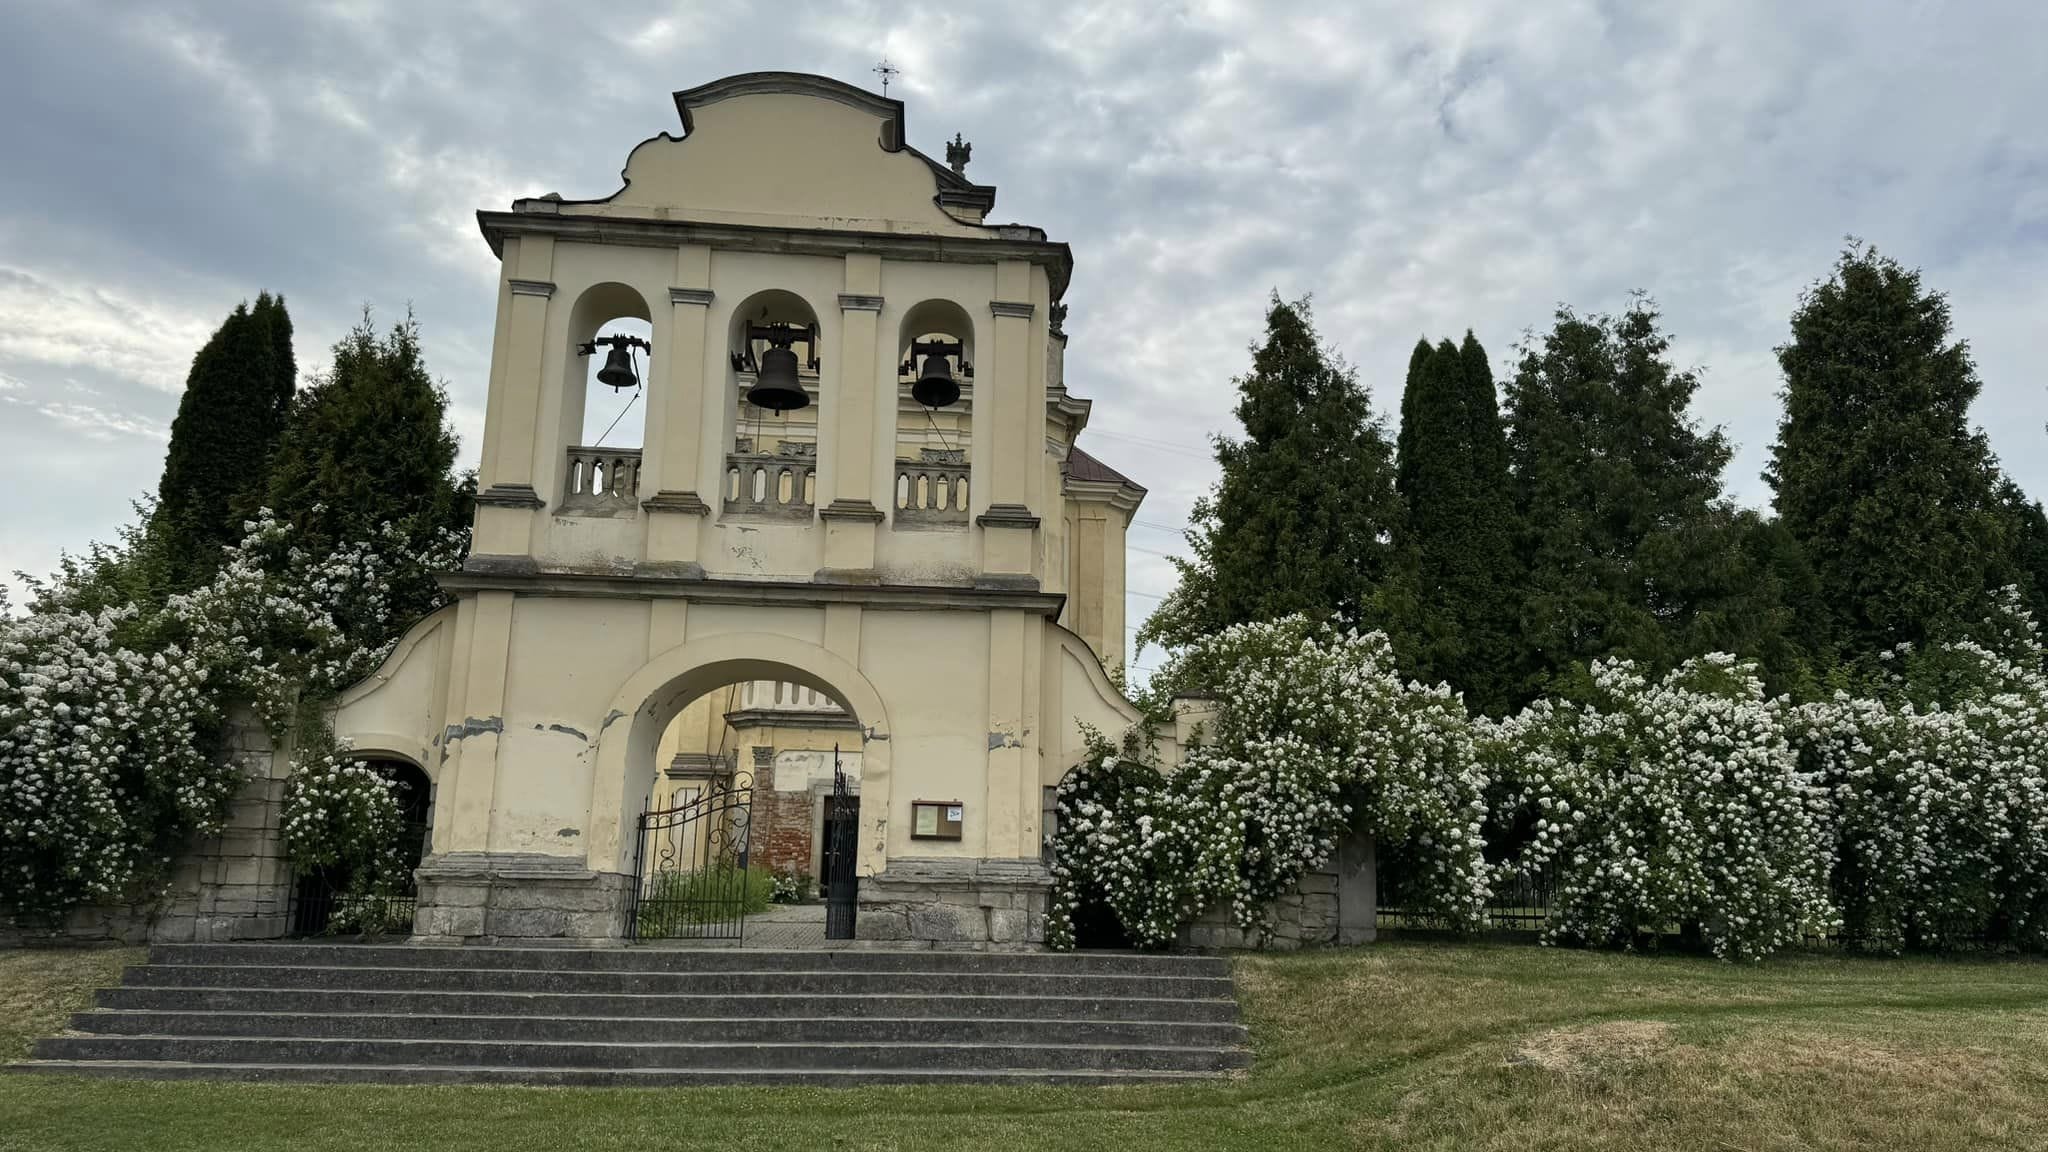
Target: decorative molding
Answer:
pixel 849 302
pixel 844 509
pixel 500 566
pixel 689 296
pixel 748 718
pixel 540 288
pixel 1007 516
pixel 888 110
pixel 1002 242
pixel 687 503
pixel 998 594
pixel 1125 496
pixel 1022 309
pixel 510 495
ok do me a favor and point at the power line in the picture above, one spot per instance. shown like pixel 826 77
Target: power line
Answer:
pixel 1160 445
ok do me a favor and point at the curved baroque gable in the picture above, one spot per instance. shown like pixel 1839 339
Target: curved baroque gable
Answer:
pixel 794 150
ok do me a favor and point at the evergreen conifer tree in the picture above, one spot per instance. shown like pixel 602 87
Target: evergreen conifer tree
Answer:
pixel 368 444
pixel 1628 547
pixel 234 407
pixel 1304 515
pixel 1893 497
pixel 1452 475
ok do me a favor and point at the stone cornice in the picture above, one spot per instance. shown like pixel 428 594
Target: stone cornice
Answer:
pixel 844 509
pixel 781 718
pixel 540 288
pixel 689 296
pixel 848 302
pixel 510 495
pixel 1021 309
pixel 687 503
pixel 1124 497
pixel 1056 258
pixel 1007 516
pixel 491 577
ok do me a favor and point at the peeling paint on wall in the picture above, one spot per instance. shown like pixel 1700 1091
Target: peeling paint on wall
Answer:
pixel 565 730
pixel 569 833
pixel 1001 739
pixel 471 726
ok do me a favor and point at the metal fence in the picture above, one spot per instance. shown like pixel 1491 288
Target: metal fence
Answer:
pixel 1519 903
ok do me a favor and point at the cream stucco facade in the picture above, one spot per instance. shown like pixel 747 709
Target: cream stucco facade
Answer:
pixel 609 589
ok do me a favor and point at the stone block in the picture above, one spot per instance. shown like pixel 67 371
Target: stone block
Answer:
pixel 1322 883
pixel 526 923
pixel 948 922
pixel 1008 926
pixel 882 923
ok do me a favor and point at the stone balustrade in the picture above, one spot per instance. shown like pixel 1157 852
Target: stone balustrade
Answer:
pixel 783 483
pixel 932 491
pixel 602 482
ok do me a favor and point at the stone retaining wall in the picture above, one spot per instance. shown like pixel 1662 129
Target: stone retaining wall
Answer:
pixel 234 886
pixel 1335 904
pixel 956 902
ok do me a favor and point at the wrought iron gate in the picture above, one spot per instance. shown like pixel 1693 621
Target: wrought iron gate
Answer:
pixel 841 884
pixel 691 864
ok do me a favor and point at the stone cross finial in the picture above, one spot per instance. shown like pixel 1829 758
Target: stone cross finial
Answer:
pixel 957 154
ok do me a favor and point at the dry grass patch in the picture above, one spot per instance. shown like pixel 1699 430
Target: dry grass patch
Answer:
pixel 1595 1047
pixel 40 989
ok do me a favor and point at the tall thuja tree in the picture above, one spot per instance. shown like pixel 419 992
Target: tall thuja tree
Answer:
pixel 1628 548
pixel 368 455
pixel 1452 475
pixel 1891 493
pixel 1303 517
pixel 236 400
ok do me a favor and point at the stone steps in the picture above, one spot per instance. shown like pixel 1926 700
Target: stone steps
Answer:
pixel 687 1006
pixel 652 1016
pixel 660 1029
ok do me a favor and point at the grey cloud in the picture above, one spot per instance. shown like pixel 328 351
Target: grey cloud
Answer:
pixel 1420 168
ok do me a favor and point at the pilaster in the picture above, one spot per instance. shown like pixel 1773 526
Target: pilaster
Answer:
pixel 676 512
pixel 1010 522
pixel 507 501
pixel 851 519
pixel 472 738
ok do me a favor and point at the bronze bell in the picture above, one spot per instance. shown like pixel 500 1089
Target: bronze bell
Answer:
pixel 935 387
pixel 775 384
pixel 618 368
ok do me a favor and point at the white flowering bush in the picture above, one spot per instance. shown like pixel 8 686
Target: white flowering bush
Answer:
pixel 1940 779
pixel 1673 805
pixel 110 720
pixel 106 759
pixel 1314 737
pixel 341 815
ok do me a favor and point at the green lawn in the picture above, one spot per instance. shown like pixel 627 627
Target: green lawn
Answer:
pixel 1403 1045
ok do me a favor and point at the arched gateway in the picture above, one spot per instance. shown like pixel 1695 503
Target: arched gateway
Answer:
pixel 858 476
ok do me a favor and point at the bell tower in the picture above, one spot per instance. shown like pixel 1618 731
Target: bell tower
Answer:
pixel 854 478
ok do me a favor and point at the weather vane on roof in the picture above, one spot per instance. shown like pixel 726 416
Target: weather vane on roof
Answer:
pixel 885 70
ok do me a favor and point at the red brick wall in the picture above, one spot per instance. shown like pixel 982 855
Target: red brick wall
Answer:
pixel 781 836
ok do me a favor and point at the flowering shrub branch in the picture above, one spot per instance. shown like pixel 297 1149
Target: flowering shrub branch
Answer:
pixel 110 720
pixel 1315 737
pixel 1674 805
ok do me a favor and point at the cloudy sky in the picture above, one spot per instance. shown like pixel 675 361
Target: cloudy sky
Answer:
pixel 1419 168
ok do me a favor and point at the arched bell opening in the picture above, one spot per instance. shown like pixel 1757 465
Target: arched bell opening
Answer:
pixel 774 358
pixel 610 363
pixel 934 414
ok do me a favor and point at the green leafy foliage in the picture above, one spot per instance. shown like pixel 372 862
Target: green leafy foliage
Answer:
pixel 1302 519
pixel 229 419
pixel 1457 614
pixel 368 452
pixel 1892 495
pixel 1629 549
